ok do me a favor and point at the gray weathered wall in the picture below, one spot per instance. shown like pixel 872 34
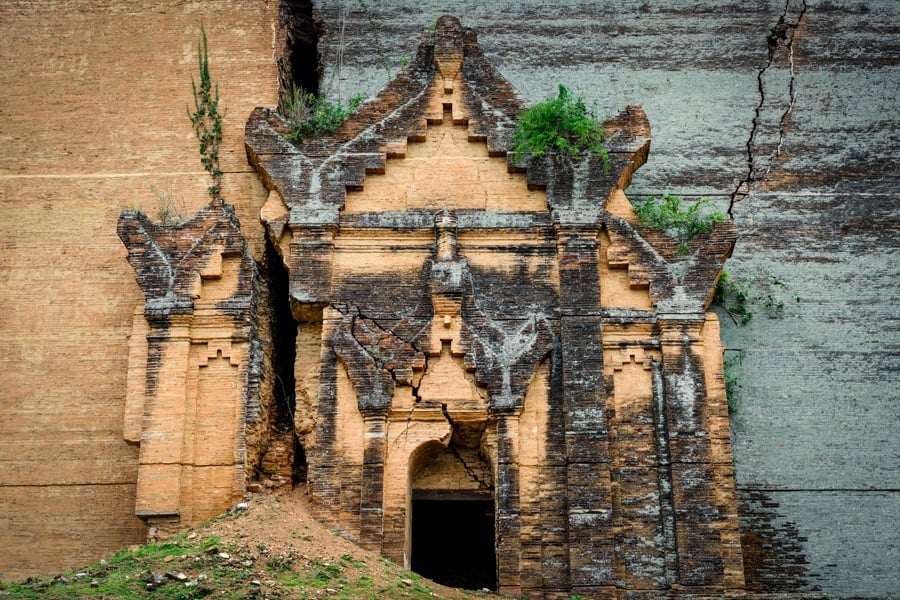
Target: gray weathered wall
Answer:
pixel 789 108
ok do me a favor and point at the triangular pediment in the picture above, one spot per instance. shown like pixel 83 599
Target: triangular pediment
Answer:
pixel 437 135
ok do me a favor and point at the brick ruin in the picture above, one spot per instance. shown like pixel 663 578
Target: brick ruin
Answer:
pixel 191 383
pixel 501 378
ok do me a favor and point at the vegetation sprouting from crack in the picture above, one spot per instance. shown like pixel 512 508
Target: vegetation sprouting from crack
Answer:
pixel 731 365
pixel 740 299
pixel 168 211
pixel 309 115
pixel 763 291
pixel 681 223
pixel 207 118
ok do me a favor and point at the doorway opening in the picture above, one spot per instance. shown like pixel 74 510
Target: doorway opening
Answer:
pixel 453 541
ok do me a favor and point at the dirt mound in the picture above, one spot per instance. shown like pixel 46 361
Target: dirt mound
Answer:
pixel 270 547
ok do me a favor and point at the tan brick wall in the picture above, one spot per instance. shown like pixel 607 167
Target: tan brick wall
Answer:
pixel 446 170
pixel 92 119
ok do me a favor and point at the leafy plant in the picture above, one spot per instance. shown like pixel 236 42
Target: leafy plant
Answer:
pixel 681 223
pixel 311 115
pixel 562 126
pixel 762 290
pixel 206 118
pixel 732 381
pixel 733 297
pixel 773 302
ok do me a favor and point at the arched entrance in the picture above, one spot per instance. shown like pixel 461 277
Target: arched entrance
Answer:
pixel 452 516
pixel 453 541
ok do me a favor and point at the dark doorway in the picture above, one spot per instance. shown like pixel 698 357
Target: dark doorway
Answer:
pixel 453 542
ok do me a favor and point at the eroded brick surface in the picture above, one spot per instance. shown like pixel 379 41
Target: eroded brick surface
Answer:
pixel 489 330
pixel 813 436
pixel 193 380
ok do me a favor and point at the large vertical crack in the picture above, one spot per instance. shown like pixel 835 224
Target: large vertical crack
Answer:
pixel 780 40
pixel 452 447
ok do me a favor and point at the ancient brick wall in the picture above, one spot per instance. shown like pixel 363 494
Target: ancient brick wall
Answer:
pixel 466 355
pixel 93 104
pixel 94 121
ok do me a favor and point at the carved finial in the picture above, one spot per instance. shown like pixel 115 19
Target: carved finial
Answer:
pixel 445 234
pixel 448 49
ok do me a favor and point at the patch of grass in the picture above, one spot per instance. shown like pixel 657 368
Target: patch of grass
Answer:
pixel 328 571
pixel 410 583
pixel 561 126
pixel 681 223
pixel 126 573
pixel 279 563
pixel 191 566
pixel 310 115
pixel 210 543
pixel 168 212
pixel 347 559
pixel 364 582
pixel 15 590
pixel 316 575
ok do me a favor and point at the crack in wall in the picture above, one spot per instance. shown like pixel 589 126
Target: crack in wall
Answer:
pixel 781 36
pixel 469 471
pixel 378 360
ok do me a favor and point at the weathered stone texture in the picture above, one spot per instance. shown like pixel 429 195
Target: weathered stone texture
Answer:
pixel 463 348
pixel 818 396
pixel 93 115
pixel 193 379
pixel 93 120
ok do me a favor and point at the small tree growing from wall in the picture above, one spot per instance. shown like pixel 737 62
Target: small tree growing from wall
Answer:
pixel 309 115
pixel 206 118
pixel 562 126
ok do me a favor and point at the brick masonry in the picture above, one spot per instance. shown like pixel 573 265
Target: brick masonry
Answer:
pixel 93 122
pixel 813 433
pixel 456 308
